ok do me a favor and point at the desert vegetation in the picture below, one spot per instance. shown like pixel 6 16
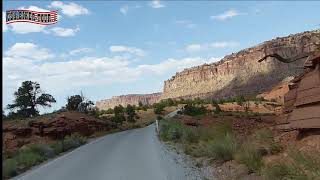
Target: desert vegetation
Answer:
pixel 26 157
pixel 221 143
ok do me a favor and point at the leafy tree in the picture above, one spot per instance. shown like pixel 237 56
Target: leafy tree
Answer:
pixel 216 105
pixel 118 110
pixel 119 119
pixel 119 114
pixel 109 111
pixel 158 108
pixel 73 102
pixel 28 97
pixel 240 100
pixel 79 103
pixel 131 113
pixel 140 104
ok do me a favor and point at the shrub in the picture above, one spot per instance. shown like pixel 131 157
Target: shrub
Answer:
pixel 73 141
pixel 174 134
pixel 282 170
pixel 9 168
pixel 192 110
pixel 43 150
pixel 28 158
pixel 250 156
pixel 57 147
pixel 222 148
pixel 190 135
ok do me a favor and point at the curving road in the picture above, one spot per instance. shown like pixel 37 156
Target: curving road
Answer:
pixel 129 155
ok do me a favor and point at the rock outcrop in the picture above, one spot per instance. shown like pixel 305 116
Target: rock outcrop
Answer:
pixel 241 73
pixel 132 99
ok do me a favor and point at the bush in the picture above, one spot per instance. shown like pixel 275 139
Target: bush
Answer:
pixel 73 141
pixel 222 148
pixel 170 130
pixel 190 135
pixel 57 147
pixel 43 150
pixel 27 158
pixel 281 171
pixel 192 110
pixel 9 168
pixel 250 156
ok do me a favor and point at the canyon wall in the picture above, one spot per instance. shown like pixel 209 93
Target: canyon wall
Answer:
pixel 124 100
pixel 240 73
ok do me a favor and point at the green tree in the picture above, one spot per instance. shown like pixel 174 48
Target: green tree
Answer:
pixel 79 103
pixel 158 108
pixel 131 113
pixel 28 97
pixel 119 114
pixel 118 110
pixel 140 104
pixel 73 102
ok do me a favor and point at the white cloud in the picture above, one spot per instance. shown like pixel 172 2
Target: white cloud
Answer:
pixel 124 9
pixel 132 50
pixel 206 46
pixel 226 15
pixel 64 32
pixel 156 4
pixel 193 47
pixel 80 51
pixel 78 73
pixel 173 65
pixel 28 51
pixel 186 23
pixel 70 9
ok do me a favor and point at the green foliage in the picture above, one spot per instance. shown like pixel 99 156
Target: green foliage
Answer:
pixel 9 168
pixel 222 148
pixel 159 117
pixel 43 150
pixel 34 154
pixel 259 144
pixel 27 98
pixel 73 141
pixel 79 103
pixel 131 113
pixel 28 158
pixel 240 100
pixel 217 107
pixel 250 156
pixel 190 135
pixel 193 110
pixel 118 119
pixel 158 108
pixel 118 110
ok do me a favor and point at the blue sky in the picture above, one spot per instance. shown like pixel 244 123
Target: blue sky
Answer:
pixel 107 48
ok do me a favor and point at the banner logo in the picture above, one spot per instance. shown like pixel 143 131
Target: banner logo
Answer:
pixel 42 18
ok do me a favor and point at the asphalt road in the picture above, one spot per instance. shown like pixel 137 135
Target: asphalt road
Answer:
pixel 129 155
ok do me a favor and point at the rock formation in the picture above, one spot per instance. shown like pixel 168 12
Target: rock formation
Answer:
pixel 124 100
pixel 241 73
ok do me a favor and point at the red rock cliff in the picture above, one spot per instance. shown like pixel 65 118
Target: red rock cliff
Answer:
pixel 240 73
pixel 132 99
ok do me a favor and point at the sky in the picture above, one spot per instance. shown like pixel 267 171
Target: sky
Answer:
pixel 109 48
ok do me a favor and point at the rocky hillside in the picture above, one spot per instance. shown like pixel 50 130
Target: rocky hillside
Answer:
pixel 240 73
pixel 132 99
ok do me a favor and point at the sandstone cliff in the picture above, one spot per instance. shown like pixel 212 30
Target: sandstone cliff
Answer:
pixel 132 99
pixel 240 73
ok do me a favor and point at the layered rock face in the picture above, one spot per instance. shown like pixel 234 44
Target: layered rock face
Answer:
pixel 124 100
pixel 241 73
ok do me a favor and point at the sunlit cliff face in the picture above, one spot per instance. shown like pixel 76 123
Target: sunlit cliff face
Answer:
pixel 241 72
